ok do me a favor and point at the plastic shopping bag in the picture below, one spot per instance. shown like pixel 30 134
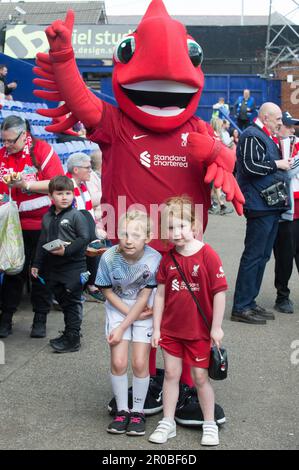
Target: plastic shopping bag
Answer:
pixel 12 256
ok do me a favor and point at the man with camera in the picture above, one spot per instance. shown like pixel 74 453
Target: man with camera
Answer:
pixel 262 176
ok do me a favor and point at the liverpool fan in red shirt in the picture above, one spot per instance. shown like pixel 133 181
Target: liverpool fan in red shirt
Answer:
pixel 33 163
pixel 178 325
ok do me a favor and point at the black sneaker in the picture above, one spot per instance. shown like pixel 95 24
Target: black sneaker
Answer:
pixel 136 426
pixel 5 324
pixel 188 411
pixel 5 330
pixel 153 402
pixel 284 306
pixel 184 393
pixel 38 329
pixel 68 343
pixel 120 423
pixel 58 339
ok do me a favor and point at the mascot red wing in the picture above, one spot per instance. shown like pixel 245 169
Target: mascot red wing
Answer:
pixel 153 145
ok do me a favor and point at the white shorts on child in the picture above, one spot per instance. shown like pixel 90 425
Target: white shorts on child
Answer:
pixel 140 331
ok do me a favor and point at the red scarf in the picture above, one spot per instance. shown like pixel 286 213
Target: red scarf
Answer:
pixel 82 196
pixel 295 149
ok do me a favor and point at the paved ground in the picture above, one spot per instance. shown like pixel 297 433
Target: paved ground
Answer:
pixel 52 401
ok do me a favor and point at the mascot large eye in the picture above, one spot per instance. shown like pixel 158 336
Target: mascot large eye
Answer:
pixel 124 50
pixel 195 52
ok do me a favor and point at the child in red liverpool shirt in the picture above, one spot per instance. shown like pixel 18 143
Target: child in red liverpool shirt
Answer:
pixel 178 326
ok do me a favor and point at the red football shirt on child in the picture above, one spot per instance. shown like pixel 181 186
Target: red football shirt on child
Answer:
pixel 204 273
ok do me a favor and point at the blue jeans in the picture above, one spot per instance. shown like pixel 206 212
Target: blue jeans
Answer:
pixel 259 240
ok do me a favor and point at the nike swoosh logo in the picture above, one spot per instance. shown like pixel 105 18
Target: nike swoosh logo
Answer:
pixel 136 137
pixel 197 359
pixel 172 268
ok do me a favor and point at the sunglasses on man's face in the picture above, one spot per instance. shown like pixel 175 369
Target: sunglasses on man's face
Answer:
pixel 12 141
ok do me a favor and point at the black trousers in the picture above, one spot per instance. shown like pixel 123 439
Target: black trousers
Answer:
pixel 12 288
pixel 286 250
pixel 71 304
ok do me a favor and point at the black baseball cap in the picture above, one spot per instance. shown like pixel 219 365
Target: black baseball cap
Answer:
pixel 288 120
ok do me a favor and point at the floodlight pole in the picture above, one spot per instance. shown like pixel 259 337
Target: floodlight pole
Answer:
pixel 242 13
pixel 282 40
pixel 268 38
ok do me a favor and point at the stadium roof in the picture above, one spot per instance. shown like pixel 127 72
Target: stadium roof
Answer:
pixel 45 13
pixel 93 12
pixel 211 20
pixel 198 20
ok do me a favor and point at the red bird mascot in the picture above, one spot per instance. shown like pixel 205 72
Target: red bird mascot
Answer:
pixel 153 145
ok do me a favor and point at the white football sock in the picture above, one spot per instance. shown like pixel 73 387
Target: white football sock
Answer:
pixel 140 388
pixel 120 390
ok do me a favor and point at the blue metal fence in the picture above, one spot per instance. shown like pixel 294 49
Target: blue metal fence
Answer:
pixel 231 87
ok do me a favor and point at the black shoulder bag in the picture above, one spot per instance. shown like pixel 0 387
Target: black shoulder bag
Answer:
pixel 276 195
pixel 218 357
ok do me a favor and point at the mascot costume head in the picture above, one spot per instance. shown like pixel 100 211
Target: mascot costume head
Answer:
pixel 157 78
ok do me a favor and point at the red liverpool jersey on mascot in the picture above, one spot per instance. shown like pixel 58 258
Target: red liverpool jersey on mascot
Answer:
pixel 153 146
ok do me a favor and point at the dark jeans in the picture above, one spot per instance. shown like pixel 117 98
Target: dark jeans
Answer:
pixel 71 304
pixel 12 288
pixel 260 236
pixel 286 249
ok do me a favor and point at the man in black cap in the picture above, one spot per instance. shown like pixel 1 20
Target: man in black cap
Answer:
pixel 289 122
pixel 286 246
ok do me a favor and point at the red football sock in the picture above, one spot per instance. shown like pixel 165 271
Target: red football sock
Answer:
pixel 152 362
pixel 186 375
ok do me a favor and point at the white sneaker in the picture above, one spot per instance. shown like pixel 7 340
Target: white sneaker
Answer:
pixel 210 434
pixel 164 431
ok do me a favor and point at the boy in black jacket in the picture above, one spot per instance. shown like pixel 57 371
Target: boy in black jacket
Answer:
pixel 66 265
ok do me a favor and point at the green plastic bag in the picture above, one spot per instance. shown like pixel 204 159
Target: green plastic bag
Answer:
pixel 12 256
